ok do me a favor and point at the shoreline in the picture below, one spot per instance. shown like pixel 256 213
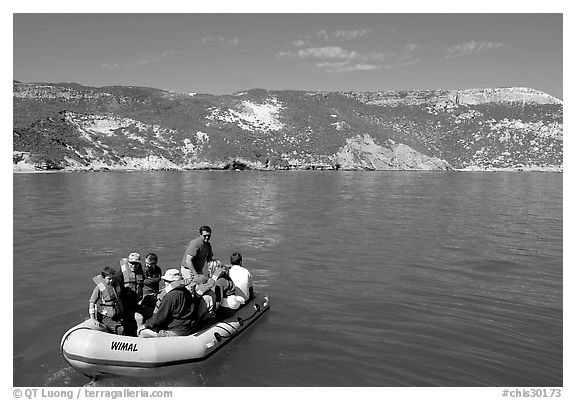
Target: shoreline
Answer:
pixel 113 170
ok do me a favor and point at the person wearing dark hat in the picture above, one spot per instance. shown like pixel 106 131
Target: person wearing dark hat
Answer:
pixel 206 304
pixel 174 313
pixel 197 253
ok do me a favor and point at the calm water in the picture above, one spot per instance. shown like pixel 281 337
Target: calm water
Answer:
pixel 375 279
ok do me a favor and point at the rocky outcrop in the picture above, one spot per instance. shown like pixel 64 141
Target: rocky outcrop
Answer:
pixel 501 95
pixel 454 97
pixel 361 152
pixel 73 127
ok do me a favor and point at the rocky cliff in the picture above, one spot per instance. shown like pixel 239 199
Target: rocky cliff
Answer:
pixel 73 127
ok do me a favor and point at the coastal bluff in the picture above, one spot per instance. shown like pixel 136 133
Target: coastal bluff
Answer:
pixel 71 127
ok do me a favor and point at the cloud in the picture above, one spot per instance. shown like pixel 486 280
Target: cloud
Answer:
pixel 322 34
pixel 470 48
pixel 158 58
pixel 353 34
pixel 111 66
pixel 222 41
pixel 346 66
pixel 165 55
pixel 411 47
pixel 331 53
pixel 336 58
pixel 341 34
pixel 300 43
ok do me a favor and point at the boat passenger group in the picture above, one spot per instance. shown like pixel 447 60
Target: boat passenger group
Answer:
pixel 141 301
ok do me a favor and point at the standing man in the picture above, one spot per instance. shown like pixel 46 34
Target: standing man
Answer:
pixel 132 290
pixel 198 252
pixel 133 280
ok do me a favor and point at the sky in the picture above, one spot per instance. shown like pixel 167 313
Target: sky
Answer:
pixel 225 53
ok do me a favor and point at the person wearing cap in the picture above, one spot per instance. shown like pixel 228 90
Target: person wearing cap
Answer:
pixel 206 303
pixel 174 313
pixel 105 305
pixel 197 253
pixel 241 277
pixel 132 290
pixel 133 280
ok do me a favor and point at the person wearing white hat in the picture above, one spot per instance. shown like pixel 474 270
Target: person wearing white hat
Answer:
pixel 174 313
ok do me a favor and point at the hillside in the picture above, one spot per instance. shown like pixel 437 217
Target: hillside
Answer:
pixel 63 126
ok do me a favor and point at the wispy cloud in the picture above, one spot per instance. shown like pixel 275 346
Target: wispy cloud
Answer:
pixel 346 66
pixel 330 53
pixel 411 47
pixel 300 43
pixel 157 58
pixel 222 41
pixel 470 48
pixel 323 35
pixel 336 59
pixel 178 49
pixel 342 34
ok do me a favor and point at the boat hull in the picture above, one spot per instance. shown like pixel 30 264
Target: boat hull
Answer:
pixel 97 353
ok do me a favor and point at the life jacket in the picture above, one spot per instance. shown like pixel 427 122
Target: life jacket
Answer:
pixel 110 296
pixel 133 280
pixel 166 289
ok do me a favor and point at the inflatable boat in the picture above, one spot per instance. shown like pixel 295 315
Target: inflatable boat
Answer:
pixel 97 353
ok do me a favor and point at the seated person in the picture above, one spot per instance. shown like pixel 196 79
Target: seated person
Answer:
pixel 241 277
pixel 174 312
pixel 225 291
pixel 107 295
pixel 152 278
pixel 206 304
